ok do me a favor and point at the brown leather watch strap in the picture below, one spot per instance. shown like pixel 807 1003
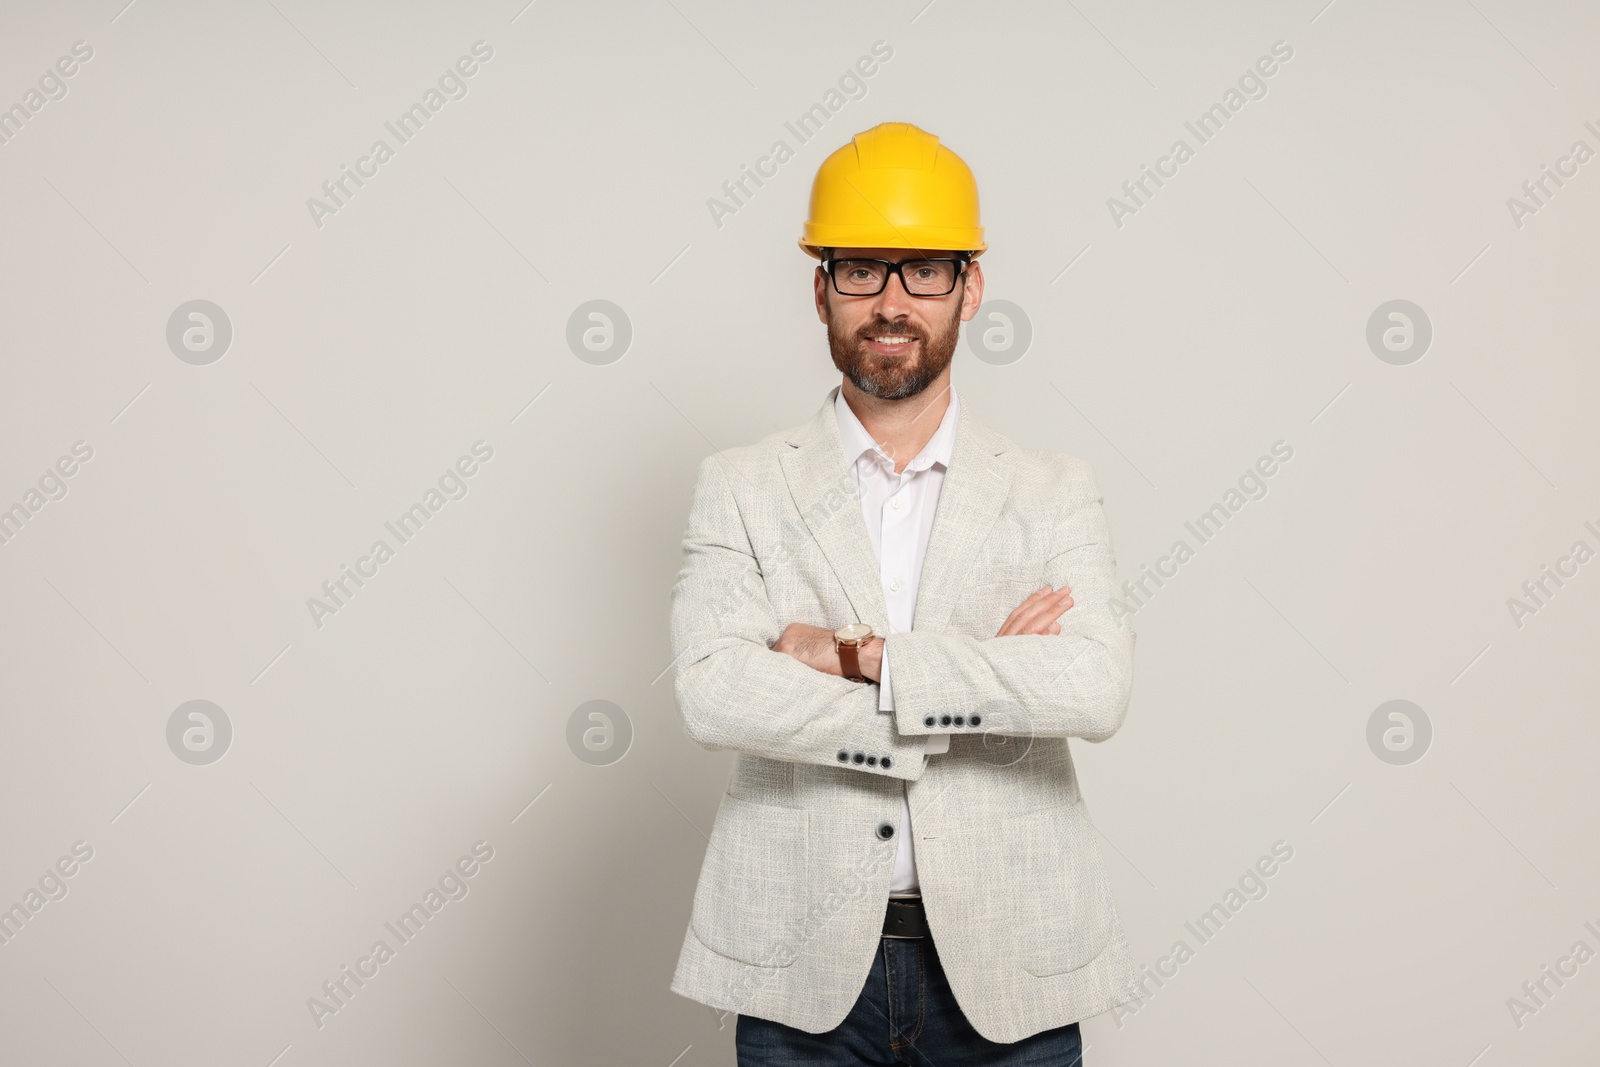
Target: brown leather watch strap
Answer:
pixel 850 661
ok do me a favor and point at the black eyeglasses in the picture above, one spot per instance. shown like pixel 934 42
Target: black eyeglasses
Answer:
pixel 868 277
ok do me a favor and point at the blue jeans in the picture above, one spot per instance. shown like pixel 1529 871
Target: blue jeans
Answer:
pixel 906 1014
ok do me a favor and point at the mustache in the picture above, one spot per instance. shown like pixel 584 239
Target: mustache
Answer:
pixel 883 326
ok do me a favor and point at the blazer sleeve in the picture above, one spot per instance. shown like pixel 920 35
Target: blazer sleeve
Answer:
pixel 733 691
pixel 1072 684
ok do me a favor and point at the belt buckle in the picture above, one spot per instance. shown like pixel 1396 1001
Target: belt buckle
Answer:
pixel 905 904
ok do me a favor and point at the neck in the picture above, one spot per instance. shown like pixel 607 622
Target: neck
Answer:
pixel 902 428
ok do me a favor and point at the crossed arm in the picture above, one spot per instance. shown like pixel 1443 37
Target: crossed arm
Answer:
pixel 747 680
pixel 814 645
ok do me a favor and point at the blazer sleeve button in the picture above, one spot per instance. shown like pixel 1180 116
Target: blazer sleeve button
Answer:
pixel 976 719
pixel 961 720
pixel 844 757
pixel 859 757
pixel 944 720
pixel 928 720
pixel 884 763
pixel 872 761
pixel 885 831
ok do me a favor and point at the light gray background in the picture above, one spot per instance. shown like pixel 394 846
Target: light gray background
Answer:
pixel 430 712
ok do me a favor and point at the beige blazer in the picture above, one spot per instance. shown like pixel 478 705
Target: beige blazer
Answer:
pixel 789 906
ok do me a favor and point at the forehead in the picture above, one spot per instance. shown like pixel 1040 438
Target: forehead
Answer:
pixel 893 255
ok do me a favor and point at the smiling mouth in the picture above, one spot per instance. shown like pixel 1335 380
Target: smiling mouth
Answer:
pixel 889 343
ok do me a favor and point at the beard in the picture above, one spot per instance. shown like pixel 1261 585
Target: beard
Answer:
pixel 895 377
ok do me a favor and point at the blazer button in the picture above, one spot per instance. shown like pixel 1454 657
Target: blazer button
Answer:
pixel 885 831
pixel 976 719
pixel 961 720
pixel 929 720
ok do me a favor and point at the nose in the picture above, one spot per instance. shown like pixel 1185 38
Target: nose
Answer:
pixel 894 302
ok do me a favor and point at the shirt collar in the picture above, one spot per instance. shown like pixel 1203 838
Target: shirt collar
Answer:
pixel 855 441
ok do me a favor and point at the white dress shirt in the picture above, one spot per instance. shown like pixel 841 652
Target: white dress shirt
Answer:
pixel 899 510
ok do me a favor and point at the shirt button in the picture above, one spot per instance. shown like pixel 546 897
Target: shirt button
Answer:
pixel 894 586
pixel 895 503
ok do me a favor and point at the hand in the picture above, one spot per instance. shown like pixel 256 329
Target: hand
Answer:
pixel 813 646
pixel 1038 613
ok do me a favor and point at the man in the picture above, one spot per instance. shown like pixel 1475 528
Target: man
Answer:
pixel 897 618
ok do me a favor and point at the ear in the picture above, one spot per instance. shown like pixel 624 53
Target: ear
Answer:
pixel 820 285
pixel 972 291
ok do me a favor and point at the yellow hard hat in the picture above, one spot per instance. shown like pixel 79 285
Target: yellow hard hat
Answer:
pixel 894 186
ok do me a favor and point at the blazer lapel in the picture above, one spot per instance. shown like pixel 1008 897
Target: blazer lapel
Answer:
pixel 825 494
pixel 975 487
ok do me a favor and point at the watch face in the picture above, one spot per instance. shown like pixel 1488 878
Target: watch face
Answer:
pixel 855 631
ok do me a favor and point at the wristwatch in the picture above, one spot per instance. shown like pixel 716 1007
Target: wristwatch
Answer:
pixel 849 640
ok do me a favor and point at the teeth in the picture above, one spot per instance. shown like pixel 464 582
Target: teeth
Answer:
pixel 892 340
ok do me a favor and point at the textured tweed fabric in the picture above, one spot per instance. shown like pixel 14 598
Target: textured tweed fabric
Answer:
pixel 789 906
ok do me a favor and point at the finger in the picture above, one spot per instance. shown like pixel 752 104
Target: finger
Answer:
pixel 1022 611
pixel 1041 625
pixel 1036 616
pixel 1037 611
pixel 1035 600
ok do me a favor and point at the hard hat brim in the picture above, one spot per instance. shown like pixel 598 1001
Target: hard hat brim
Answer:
pixel 813 243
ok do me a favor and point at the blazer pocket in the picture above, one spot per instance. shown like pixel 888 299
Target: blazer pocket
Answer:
pixel 750 901
pixel 1066 890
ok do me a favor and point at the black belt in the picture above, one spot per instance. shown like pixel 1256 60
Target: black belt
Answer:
pixel 905 918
